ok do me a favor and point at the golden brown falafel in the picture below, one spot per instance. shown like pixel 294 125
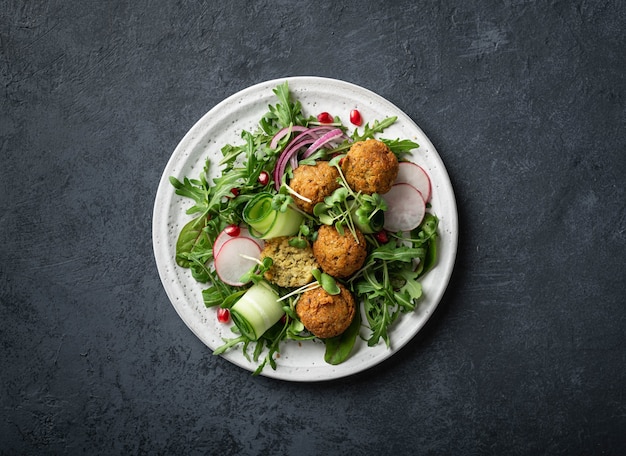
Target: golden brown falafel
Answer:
pixel 370 167
pixel 314 182
pixel 339 255
pixel 326 315
pixel 291 266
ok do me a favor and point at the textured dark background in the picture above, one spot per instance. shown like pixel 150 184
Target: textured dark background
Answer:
pixel 524 101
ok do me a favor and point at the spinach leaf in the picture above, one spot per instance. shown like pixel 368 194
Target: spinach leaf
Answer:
pixel 338 348
pixel 190 236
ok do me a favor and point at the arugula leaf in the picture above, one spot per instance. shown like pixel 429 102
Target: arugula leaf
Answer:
pixel 388 283
pixel 411 291
pixel 231 343
pixel 286 112
pixel 377 127
pixel 198 190
pixel 400 148
pixel 379 317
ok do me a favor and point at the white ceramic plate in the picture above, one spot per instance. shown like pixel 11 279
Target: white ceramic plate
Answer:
pixel 223 125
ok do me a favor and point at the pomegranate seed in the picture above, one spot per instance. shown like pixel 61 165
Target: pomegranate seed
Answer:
pixel 324 117
pixel 381 237
pixel 355 117
pixel 264 178
pixel 223 315
pixel 232 230
pixel 234 191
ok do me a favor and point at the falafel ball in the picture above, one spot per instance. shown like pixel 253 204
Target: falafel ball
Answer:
pixel 326 315
pixel 370 167
pixel 314 182
pixel 339 255
pixel 291 265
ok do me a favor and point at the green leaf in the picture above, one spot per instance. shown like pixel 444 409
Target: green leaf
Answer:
pixel 298 242
pixel 175 182
pixel 327 282
pixel 336 159
pixel 410 292
pixel 232 298
pixel 199 270
pixel 197 189
pixel 338 348
pixel 281 202
pixel 189 237
pixel 411 286
pixel 230 154
pixel 379 319
pixel 312 159
pixel 229 343
pixel 286 112
pixel 326 219
pixel 400 147
pixel 340 195
pixel 430 259
pixel 212 297
pixel 392 252
pixel 377 127
pixel 319 209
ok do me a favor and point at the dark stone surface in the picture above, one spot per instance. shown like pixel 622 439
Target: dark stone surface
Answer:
pixel 524 101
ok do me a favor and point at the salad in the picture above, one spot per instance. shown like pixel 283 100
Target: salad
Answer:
pixel 239 219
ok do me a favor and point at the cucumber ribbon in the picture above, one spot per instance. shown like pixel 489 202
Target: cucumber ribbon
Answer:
pixel 257 311
pixel 266 222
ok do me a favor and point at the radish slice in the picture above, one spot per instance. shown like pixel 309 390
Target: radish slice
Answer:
pixel 230 263
pixel 413 174
pixel 405 208
pixel 224 237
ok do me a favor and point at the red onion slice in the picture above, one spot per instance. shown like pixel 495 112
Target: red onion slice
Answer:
pixel 284 132
pixel 305 138
pixel 327 137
